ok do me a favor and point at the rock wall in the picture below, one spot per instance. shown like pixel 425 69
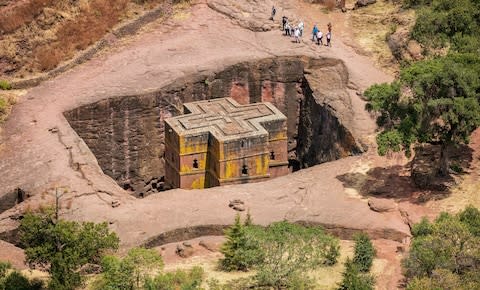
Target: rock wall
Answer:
pixel 321 136
pixel 126 133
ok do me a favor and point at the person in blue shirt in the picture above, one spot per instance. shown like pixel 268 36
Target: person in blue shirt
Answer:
pixel 314 32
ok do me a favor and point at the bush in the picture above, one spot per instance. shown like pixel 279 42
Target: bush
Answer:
pixel 16 281
pixel 282 253
pixel 471 218
pixel 364 252
pixel 129 272
pixel 353 279
pixel 63 247
pixel 185 280
pixel 445 252
pixel 5 85
pixel 423 228
pixel 290 251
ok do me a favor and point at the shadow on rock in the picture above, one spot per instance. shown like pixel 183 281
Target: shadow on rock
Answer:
pixel 417 181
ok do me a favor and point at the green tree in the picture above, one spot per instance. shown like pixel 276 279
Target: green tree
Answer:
pixel 446 23
pixel 290 251
pixel 364 252
pixel 435 101
pixel 448 246
pixel 131 271
pixel 64 246
pixel 240 251
pixel 353 279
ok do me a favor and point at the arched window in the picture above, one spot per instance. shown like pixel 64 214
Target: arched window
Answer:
pixel 244 170
pixel 272 155
pixel 195 163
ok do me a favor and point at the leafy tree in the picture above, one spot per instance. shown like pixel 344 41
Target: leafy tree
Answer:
pixel 64 246
pixel 447 23
pixel 353 279
pixel 240 251
pixel 364 252
pixel 131 271
pixel 290 250
pixel 446 252
pixel 435 101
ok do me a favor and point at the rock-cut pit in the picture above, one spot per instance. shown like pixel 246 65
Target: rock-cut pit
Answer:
pixel 126 133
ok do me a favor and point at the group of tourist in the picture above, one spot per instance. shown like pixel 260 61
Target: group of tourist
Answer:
pixel 296 31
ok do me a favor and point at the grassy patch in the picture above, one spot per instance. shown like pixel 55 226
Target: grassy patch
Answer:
pixel 6 103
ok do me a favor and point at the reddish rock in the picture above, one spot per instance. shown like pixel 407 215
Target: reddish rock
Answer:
pixel 381 204
pixel 184 252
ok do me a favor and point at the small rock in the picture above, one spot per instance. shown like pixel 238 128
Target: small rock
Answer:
pixel 344 9
pixel 208 245
pixel 235 202
pixel 115 203
pixel 53 130
pixel 415 50
pixel 184 252
pixel 400 249
pixel 239 207
pixel 381 204
pixel 363 3
pixel 187 244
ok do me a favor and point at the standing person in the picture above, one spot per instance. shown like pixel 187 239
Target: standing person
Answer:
pixel 274 11
pixel 284 21
pixel 314 31
pixel 319 38
pixel 297 35
pixel 329 37
pixel 329 27
pixel 287 29
pixel 301 26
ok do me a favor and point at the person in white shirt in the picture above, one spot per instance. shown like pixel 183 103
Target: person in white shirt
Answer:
pixel 319 38
pixel 297 35
pixel 301 26
pixel 329 37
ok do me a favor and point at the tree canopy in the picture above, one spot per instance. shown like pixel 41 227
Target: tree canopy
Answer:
pixel 63 247
pixel 434 101
pixel 445 254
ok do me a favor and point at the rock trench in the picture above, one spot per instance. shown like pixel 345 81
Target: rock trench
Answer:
pixel 125 133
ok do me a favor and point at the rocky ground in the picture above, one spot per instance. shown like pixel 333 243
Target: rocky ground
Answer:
pixel 39 150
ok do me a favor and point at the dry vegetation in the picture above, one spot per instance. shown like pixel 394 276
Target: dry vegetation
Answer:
pixel 36 35
pixel 371 25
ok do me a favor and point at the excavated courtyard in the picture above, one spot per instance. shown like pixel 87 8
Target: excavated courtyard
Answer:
pixel 95 133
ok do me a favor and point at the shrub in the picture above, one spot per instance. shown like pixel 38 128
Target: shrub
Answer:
pixel 470 216
pixel 241 250
pixel 423 228
pixel 5 85
pixel 131 271
pixel 353 279
pixel 445 252
pixel 64 246
pixel 16 281
pixel 290 251
pixel 364 252
pixel 185 280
